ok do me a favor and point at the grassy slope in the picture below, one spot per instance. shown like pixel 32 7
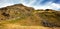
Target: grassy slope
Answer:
pixel 26 16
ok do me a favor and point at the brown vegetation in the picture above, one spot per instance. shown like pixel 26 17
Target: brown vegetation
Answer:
pixel 28 16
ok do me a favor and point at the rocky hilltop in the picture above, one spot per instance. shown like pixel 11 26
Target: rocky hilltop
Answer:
pixel 14 11
pixel 28 16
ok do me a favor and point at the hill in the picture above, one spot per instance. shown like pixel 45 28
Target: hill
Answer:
pixel 28 16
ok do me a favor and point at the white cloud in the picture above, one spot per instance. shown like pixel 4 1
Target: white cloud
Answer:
pixel 48 5
pixel 56 5
pixel 5 4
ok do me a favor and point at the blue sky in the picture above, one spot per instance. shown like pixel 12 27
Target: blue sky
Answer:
pixel 37 4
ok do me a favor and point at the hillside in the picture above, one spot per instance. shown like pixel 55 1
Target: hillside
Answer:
pixel 21 15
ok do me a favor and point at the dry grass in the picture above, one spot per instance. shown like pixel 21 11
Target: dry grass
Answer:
pixel 17 26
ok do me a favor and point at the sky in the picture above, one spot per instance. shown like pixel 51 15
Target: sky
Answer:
pixel 37 4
